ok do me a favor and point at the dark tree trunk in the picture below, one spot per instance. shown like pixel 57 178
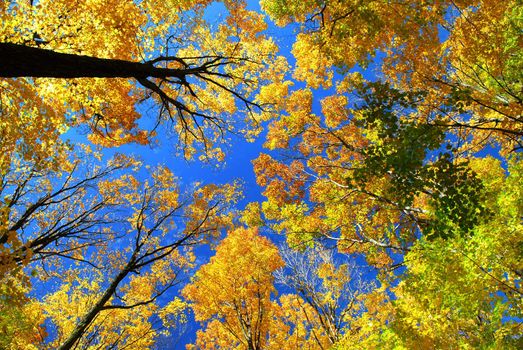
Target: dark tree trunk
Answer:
pixel 25 61
pixel 82 326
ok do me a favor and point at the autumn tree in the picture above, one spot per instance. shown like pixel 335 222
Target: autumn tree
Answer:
pixel 464 54
pixel 59 212
pixel 112 243
pixel 67 64
pixel 21 319
pixel 234 296
pixel 232 293
pixel 112 292
pixel 388 169
pixel 48 214
pixel 237 304
pixel 463 292
pixel 365 176
pixel 75 54
pixel 331 292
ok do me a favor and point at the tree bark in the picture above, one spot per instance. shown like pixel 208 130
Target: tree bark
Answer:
pixel 25 61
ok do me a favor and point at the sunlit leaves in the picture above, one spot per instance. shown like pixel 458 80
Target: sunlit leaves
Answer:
pixel 232 300
pixel 225 65
pixel 388 170
pixel 357 174
pixel 460 292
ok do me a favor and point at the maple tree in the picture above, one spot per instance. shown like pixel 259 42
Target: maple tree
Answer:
pixel 127 242
pixel 388 162
pixel 363 178
pixel 55 208
pixel 157 242
pixel 49 214
pixel 462 55
pixel 462 292
pixel 235 302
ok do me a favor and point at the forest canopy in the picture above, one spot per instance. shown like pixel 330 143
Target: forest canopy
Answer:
pixel 314 174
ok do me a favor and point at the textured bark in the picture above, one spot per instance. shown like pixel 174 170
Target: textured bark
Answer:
pixel 25 61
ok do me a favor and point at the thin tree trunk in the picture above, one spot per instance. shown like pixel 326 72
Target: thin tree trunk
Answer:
pixel 25 61
pixel 81 327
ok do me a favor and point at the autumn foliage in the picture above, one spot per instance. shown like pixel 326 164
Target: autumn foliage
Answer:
pixel 386 210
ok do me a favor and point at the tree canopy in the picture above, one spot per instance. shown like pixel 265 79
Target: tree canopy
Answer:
pixel 320 174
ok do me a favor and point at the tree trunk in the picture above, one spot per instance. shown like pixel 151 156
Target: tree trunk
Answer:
pixel 25 61
pixel 81 327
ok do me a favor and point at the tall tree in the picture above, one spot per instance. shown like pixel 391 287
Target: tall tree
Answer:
pixel 390 169
pixel 50 212
pixel 463 292
pixel 115 294
pixel 198 84
pixel 239 307
pixel 235 301
pixel 364 175
pixel 331 291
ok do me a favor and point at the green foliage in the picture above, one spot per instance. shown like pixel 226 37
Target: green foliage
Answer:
pixel 399 146
pixel 457 199
pixel 399 150
pixel 461 292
